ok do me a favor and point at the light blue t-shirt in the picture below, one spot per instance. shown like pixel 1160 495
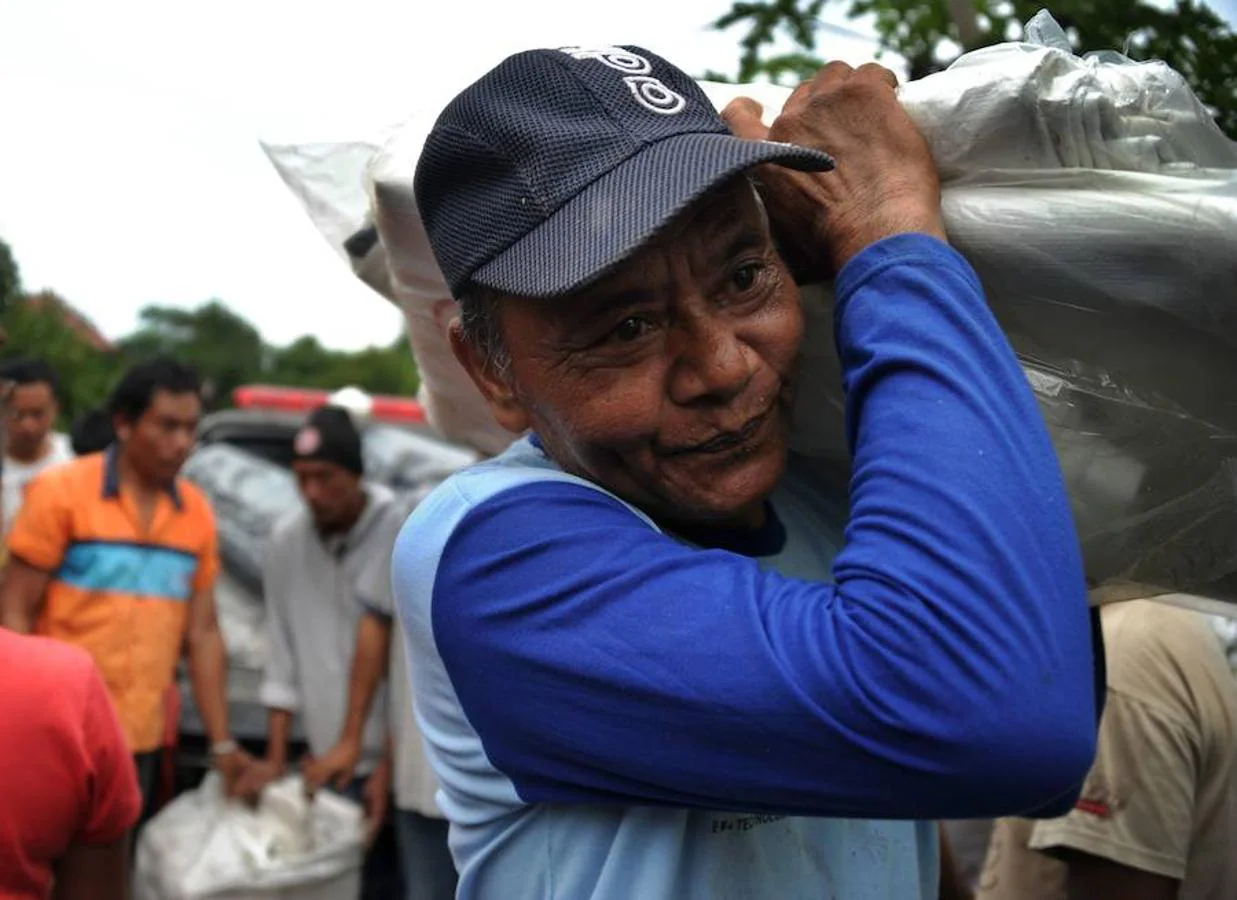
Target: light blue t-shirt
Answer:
pixel 614 712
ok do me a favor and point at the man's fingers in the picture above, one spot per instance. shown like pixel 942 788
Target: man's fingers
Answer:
pixel 878 72
pixel 830 75
pixel 742 114
pixel 311 774
pixel 342 780
pixel 799 97
pixel 246 789
pixel 834 71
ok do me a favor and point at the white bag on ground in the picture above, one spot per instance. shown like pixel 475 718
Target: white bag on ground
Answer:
pixel 1096 199
pixel 289 848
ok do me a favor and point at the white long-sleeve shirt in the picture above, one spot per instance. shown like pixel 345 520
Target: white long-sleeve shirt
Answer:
pixel 313 609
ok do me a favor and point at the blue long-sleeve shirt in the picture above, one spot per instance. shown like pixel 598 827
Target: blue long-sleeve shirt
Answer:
pixel 595 692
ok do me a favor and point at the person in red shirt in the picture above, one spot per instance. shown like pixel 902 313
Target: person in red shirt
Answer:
pixel 68 787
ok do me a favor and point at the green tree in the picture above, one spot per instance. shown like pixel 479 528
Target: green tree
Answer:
pixel 381 370
pixel 36 325
pixel 224 347
pixel 1189 36
pixel 302 363
pixel 378 370
pixel 10 277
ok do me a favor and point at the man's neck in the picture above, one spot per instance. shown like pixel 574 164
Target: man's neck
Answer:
pixel 346 525
pixel 131 477
pixel 40 453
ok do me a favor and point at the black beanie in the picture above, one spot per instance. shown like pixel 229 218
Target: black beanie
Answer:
pixel 330 435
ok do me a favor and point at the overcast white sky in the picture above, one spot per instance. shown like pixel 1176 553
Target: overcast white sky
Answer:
pixel 130 171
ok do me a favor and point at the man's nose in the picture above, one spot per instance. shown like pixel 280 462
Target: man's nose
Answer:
pixel 183 440
pixel 710 361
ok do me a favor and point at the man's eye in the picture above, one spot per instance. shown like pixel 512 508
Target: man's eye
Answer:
pixel 630 329
pixel 745 276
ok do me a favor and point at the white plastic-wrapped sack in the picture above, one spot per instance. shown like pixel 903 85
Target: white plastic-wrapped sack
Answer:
pixel 288 848
pixel 1098 202
pixel 330 179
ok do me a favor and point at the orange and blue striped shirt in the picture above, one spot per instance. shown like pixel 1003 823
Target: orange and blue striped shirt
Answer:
pixel 120 588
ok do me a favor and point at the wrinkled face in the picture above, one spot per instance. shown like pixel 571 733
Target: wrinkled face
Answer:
pixel 332 493
pixel 32 410
pixel 160 440
pixel 669 381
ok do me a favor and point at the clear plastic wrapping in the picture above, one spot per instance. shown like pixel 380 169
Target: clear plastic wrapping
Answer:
pixel 1097 201
pixel 1124 316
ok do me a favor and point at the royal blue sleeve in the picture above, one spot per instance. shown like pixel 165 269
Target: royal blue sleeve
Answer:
pixel 947 672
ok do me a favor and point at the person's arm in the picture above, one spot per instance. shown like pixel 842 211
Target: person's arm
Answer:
pixel 279 691
pixel 278 733
pixel 93 872
pixel 208 664
pixel 22 589
pixel 258 774
pixel 377 792
pixel 369 668
pixel 208 674
pixel 1091 877
pixel 37 545
pixel 95 866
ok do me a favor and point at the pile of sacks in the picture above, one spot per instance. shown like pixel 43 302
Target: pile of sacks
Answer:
pixel 1097 200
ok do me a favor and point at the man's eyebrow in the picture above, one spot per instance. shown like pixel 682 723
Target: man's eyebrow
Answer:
pixel 605 303
pixel 749 238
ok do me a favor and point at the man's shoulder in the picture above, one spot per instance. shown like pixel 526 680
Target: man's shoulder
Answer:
pixel 291 527
pixel 502 505
pixel 77 479
pixel 194 500
pixel 522 467
pixel 391 508
pixel 1167 659
pixel 1145 637
pixel 44 663
pixel 78 469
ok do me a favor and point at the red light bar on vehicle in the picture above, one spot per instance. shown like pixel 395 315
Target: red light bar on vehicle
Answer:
pixel 385 408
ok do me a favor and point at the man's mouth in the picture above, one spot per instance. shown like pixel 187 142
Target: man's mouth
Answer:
pixel 726 440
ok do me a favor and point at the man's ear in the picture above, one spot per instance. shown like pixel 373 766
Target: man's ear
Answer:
pixel 121 428
pixel 496 387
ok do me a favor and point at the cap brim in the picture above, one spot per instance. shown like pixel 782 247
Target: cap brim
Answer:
pixel 615 215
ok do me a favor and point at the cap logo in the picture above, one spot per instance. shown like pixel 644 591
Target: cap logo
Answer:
pixel 649 91
pixel 307 442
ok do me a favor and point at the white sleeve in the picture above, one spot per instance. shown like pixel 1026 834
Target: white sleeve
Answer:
pixel 279 682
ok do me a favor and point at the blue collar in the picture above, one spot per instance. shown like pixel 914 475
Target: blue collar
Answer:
pixel 768 540
pixel 111 478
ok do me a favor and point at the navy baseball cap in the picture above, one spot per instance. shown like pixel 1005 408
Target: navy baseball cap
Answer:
pixel 559 164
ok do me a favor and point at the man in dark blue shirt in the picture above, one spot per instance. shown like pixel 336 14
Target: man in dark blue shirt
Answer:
pixel 654 656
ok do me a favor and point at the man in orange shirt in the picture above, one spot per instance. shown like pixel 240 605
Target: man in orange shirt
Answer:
pixel 114 553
